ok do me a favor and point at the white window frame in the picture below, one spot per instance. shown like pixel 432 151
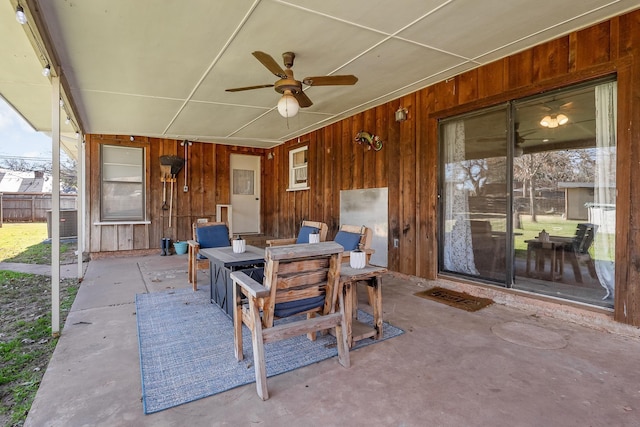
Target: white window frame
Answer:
pixel 296 184
pixel 136 153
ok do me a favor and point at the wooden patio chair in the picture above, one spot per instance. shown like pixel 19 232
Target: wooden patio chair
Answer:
pixel 306 228
pixel 205 235
pixel 296 280
pixel 578 250
pixel 352 237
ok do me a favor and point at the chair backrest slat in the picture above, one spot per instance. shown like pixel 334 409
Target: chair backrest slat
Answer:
pixel 583 239
pixel 306 265
pixel 303 278
pixel 299 272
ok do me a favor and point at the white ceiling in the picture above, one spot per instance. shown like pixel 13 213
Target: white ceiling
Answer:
pixel 160 68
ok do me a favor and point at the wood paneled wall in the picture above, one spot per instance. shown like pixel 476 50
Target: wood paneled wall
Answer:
pixel 408 163
pixel 208 182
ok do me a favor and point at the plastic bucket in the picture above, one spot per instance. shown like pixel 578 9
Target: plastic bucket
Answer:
pixel 180 247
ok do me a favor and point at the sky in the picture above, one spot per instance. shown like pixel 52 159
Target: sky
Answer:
pixel 17 137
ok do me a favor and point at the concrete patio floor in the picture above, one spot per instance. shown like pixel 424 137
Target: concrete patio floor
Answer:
pixel 505 365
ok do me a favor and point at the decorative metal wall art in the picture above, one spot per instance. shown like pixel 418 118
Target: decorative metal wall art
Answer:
pixel 372 141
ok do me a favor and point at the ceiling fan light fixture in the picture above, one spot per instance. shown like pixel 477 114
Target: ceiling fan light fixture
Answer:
pixel 562 119
pixel 288 105
pixel 554 121
pixel 20 16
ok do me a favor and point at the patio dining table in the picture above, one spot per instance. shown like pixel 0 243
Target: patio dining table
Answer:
pixel 222 261
pixel 540 248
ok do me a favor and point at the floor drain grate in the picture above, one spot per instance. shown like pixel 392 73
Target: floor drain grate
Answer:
pixel 455 299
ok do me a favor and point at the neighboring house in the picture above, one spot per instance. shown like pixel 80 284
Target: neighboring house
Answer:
pixel 24 182
pixel 26 196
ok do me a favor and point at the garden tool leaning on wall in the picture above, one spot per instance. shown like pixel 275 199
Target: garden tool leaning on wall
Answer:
pixel 170 166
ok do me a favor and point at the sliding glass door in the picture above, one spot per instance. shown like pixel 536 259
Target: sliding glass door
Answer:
pixel 528 194
pixel 475 195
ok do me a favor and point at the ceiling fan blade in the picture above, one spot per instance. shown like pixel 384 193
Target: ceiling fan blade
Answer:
pixel 302 99
pixel 271 64
pixel 239 89
pixel 330 80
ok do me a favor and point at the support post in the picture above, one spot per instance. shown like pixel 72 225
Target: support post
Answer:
pixel 55 205
pixel 80 203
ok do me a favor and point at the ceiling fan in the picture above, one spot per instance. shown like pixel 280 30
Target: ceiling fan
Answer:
pixel 293 96
pixel 520 139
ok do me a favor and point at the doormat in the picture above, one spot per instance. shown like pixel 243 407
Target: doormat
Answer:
pixel 455 299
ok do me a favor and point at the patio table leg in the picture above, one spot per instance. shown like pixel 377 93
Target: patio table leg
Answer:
pixel 374 290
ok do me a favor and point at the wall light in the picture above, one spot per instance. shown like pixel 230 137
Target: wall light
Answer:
pixel 20 16
pixel 67 121
pixel 288 105
pixel 401 114
pixel 131 138
pixel 46 71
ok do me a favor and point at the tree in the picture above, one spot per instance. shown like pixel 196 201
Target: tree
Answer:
pixel 546 169
pixel 526 168
pixel 475 173
pixel 19 164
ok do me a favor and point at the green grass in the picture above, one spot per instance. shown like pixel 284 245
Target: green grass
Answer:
pixel 22 242
pixel 16 237
pixel 555 225
pixel 26 342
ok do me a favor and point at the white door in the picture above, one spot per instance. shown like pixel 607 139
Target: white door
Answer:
pixel 245 193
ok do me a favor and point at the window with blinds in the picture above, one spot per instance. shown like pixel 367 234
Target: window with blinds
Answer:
pixel 298 169
pixel 122 183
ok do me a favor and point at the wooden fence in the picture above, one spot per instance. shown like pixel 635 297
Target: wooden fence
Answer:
pixel 31 207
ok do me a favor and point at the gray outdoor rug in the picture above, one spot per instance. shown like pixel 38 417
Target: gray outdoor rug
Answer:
pixel 186 349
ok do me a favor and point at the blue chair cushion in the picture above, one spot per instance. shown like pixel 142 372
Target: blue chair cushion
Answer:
pixel 285 309
pixel 349 241
pixel 213 236
pixel 303 236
